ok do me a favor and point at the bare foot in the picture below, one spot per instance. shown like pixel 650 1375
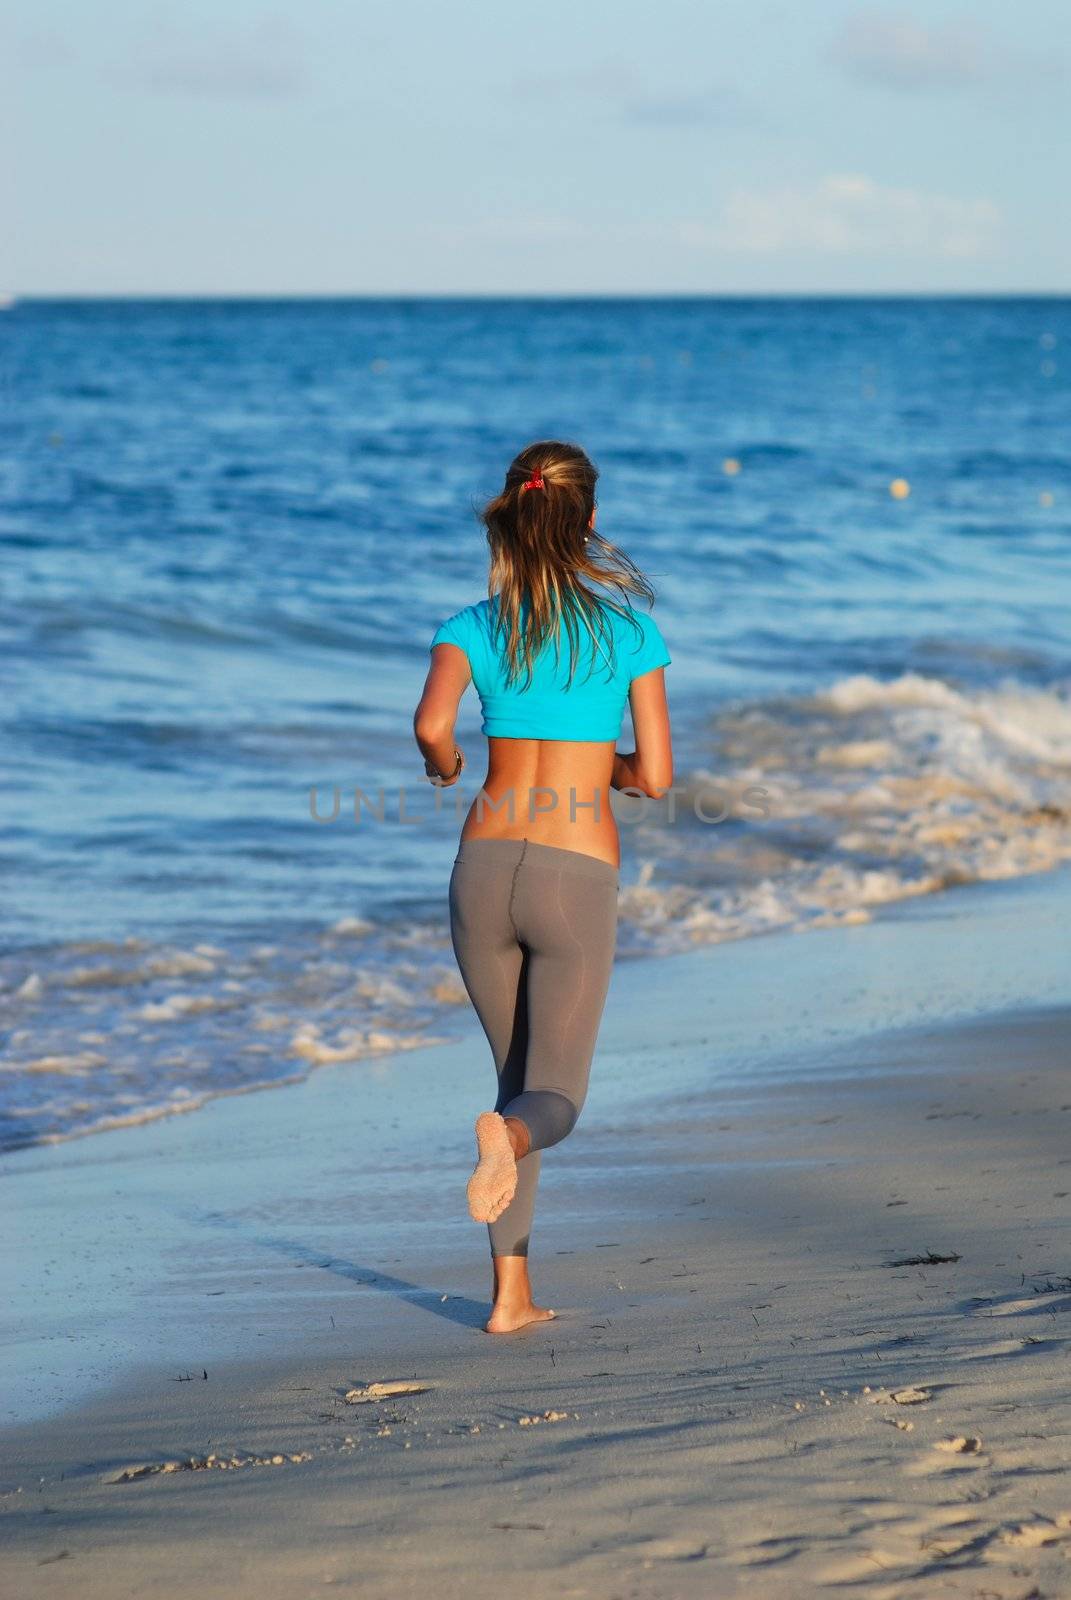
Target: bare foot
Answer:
pixel 507 1318
pixel 494 1182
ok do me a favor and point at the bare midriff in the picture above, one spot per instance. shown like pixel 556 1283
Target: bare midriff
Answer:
pixel 551 791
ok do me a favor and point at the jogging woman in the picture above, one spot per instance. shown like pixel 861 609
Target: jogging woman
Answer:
pixel 533 892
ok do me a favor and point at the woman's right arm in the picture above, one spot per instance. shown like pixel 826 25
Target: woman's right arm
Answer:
pixel 435 716
pixel 649 767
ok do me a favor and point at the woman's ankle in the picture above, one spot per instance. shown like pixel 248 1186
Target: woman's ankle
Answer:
pixel 519 1137
pixel 511 1282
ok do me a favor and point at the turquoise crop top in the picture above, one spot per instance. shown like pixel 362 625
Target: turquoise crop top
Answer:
pixel 591 707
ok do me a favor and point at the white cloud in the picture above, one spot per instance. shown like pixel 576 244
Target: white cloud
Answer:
pixel 850 214
pixel 888 45
pixel 843 215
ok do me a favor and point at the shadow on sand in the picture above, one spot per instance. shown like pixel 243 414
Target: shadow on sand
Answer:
pixel 440 1302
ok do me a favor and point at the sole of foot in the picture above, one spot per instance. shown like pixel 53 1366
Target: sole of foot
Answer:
pixel 494 1182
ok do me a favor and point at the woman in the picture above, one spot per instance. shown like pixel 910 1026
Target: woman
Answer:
pixel 533 893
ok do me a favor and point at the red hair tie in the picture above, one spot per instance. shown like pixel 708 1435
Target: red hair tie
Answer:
pixel 535 481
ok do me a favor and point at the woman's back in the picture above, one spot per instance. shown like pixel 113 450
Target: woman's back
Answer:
pixel 552 734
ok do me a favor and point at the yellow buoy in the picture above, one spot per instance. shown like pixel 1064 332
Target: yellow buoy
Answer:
pixel 730 466
pixel 1045 498
pixel 899 488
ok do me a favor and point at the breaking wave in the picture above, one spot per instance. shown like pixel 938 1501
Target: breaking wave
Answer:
pixel 875 792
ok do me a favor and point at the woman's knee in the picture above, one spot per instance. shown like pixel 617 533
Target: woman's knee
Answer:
pixel 549 1115
pixel 565 1116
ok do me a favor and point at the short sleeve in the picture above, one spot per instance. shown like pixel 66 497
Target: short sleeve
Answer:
pixel 455 630
pixel 652 652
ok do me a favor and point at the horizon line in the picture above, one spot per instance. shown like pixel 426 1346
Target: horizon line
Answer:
pixel 13 298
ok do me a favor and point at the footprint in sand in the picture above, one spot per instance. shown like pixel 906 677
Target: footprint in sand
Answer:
pixel 1032 1535
pixel 768 1552
pixel 904 1544
pixel 671 1549
pixel 1025 1345
pixel 1034 1305
pixel 947 1457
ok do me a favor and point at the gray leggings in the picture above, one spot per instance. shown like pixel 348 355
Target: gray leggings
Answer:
pixel 534 930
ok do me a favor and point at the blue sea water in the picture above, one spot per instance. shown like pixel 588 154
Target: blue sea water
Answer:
pixel 229 529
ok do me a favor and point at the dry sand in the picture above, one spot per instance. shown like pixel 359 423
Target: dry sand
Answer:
pixel 752 1385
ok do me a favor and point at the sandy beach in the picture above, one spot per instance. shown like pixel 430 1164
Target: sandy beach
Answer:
pixel 808 1249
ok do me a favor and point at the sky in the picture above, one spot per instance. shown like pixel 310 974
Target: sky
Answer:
pixel 565 147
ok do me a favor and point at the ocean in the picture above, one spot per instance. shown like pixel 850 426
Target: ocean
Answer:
pixel 228 531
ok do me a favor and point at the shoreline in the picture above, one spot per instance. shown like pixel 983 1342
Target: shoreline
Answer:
pixel 719 1242
pixel 466 1030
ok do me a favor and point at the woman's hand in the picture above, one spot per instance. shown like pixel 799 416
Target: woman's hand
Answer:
pixel 629 773
pixel 624 774
pixel 445 780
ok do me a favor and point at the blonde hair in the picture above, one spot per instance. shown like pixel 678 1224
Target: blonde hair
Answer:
pixel 543 550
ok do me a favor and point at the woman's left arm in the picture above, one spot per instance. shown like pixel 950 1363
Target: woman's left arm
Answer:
pixel 435 716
